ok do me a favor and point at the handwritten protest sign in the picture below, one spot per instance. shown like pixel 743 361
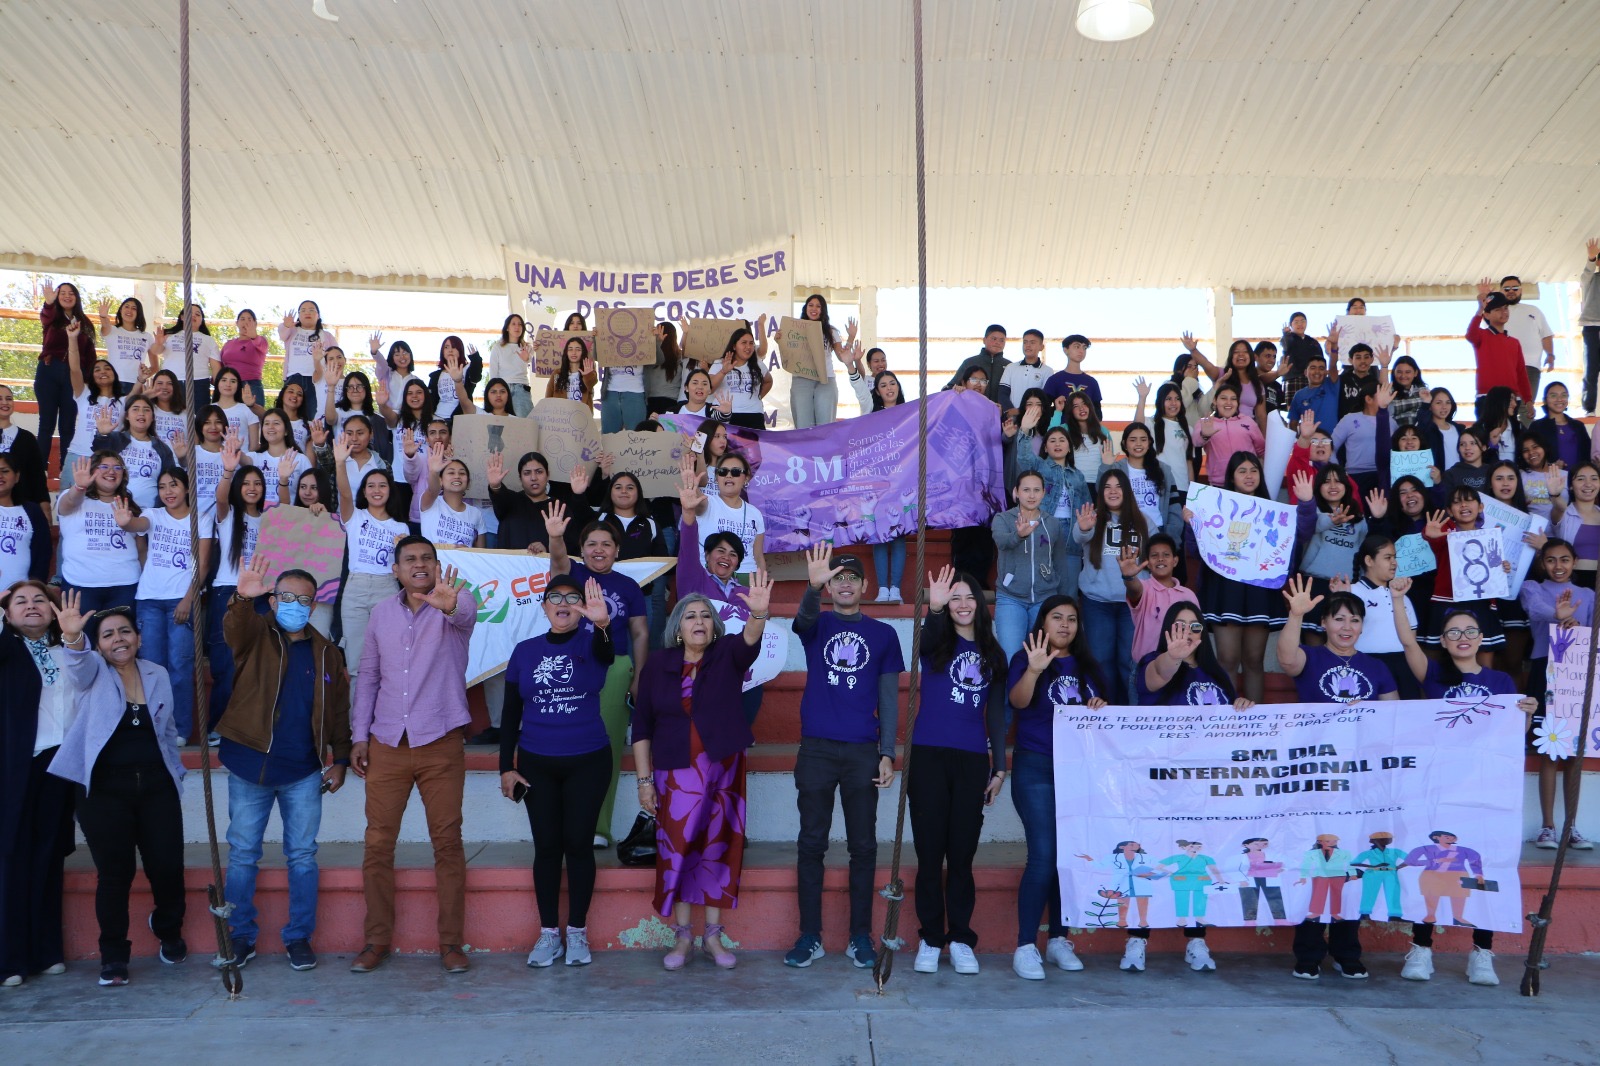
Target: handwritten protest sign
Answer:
pixel 1513 525
pixel 1558 736
pixel 653 458
pixel 549 344
pixel 1375 331
pixel 568 435
pixel 625 336
pixel 292 538
pixel 707 338
pixel 1242 537
pixel 1414 464
pixel 475 437
pixel 1413 556
pixel 1475 570
pixel 800 348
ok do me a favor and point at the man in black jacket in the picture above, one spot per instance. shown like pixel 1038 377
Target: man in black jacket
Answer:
pixel 991 359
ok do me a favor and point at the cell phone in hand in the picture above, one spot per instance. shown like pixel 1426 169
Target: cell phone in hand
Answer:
pixel 519 791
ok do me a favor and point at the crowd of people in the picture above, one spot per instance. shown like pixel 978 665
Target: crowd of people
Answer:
pixel 1096 586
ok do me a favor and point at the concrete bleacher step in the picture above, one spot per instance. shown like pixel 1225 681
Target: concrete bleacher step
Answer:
pixel 501 914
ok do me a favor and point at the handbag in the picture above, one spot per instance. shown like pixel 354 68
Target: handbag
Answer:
pixel 638 848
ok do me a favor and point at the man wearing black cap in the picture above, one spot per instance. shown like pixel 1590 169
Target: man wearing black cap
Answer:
pixel 1073 379
pixel 991 359
pixel 849 715
pixel 1499 353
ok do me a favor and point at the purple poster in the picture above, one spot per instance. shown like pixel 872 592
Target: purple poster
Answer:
pixel 855 481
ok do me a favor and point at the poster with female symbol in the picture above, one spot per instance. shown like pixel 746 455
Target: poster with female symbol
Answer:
pixel 625 336
pixel 1245 538
pixel 1477 570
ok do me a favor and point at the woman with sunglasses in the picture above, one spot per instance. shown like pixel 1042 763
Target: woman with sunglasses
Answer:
pixel 1183 671
pixel 730 512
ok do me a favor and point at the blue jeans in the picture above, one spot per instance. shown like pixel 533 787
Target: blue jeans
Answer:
pixel 52 388
pixel 621 410
pixel 1033 794
pixel 1069 576
pixel 889 562
pixel 170 644
pixel 814 403
pixel 1013 617
pixel 218 652
pixel 521 401
pixel 256 389
pixel 300 808
pixel 102 597
pixel 1108 627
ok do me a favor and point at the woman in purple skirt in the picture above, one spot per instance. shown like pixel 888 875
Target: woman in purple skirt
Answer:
pixel 689 740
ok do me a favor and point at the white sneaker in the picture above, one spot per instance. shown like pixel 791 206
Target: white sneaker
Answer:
pixel 1059 951
pixel 1133 955
pixel 578 947
pixel 963 959
pixel 547 950
pixel 883 596
pixel 1578 841
pixel 894 595
pixel 1546 839
pixel 1419 964
pixel 927 958
pixel 1198 956
pixel 1027 964
pixel 1480 967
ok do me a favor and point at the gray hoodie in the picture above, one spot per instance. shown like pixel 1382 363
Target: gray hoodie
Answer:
pixel 1031 569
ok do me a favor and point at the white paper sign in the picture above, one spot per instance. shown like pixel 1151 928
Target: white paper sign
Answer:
pixel 1513 525
pixel 1269 816
pixel 1565 681
pixel 1476 572
pixel 1375 331
pixel 1280 446
pixel 1242 537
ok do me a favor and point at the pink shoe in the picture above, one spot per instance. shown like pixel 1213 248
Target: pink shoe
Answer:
pixel 715 950
pixel 679 954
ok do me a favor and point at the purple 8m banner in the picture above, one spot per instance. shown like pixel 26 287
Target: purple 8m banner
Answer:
pixel 855 481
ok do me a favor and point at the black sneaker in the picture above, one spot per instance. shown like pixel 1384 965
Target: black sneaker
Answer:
pixel 172 951
pixel 806 950
pixel 301 957
pixel 243 951
pixel 114 975
pixel 861 951
pixel 1353 970
pixel 1308 973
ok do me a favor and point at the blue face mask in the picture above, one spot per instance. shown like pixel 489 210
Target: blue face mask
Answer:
pixel 293 616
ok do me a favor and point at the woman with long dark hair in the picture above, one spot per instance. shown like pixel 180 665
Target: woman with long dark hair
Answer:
pixel 1170 431
pixel 240 498
pixel 576 377
pixel 510 357
pixel 816 403
pixel 205 357
pixel 1109 531
pixel 52 382
pixel 453 383
pixel 739 370
pixel 664 382
pixel 303 336
pixel 169 590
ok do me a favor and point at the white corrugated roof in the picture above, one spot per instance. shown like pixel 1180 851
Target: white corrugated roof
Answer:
pixel 1243 143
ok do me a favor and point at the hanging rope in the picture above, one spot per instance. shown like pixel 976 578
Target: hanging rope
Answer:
pixel 895 890
pixel 1541 920
pixel 232 980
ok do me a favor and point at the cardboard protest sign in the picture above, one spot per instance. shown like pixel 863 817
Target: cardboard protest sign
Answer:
pixel 653 458
pixel 1476 572
pixel 475 437
pixel 625 336
pixel 800 348
pixel 292 538
pixel 707 338
pixel 1375 331
pixel 568 435
pixel 548 344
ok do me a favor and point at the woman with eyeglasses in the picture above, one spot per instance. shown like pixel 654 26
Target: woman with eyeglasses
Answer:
pixel 99 557
pixel 555 756
pixel 122 753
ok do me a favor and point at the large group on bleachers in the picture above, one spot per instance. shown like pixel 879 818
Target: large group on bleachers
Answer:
pixel 170 457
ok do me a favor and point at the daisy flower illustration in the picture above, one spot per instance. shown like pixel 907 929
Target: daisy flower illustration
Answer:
pixel 1555 739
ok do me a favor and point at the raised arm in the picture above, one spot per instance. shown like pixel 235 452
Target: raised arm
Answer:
pixel 1301 603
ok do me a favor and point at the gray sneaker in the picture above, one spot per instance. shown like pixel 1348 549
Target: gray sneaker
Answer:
pixel 578 947
pixel 547 950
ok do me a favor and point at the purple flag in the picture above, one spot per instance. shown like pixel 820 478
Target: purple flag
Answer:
pixel 855 481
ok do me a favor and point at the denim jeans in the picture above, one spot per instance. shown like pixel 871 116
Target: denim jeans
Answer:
pixel 52 387
pixel 1033 794
pixel 889 563
pixel 102 597
pixel 170 645
pixel 814 403
pixel 1108 627
pixel 300 808
pixel 621 410
pixel 521 401
pixel 1013 617
pixel 256 389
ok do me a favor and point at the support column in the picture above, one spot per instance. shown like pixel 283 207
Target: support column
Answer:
pixel 148 293
pixel 869 316
pixel 1221 323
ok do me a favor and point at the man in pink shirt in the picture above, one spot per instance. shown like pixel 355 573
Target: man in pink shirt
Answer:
pixel 1149 598
pixel 408 721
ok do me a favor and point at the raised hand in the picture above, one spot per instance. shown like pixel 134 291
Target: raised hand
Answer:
pixel 1298 593
pixel 1128 561
pixel 82 476
pixel 437 459
pixel 1108 455
pixel 341 448
pixel 1181 641
pixel 318 431
pixel 1592 246
pixel 1188 342
pixel 48 291
pixel 852 326
pixel 1086 516
pixel 1308 424
pixel 1333 333
pixel 411 440
pixel 1339 583
pixel 1485 287
pixel 442 597
pixel 180 445
pixel 595 608
pixel 383 390
pixel 689 494
pixel 579 479
pixel 1383 353
pixel 374 340
pixel 1435 524
pixel 1385 393
pixel 1565 608
pixel 105 309
pixel 758 597
pixel 1377 503
pixel 1341 514
pixel 288 321
pixel 1025 526
pixel 556 521
pixel 121 512
pixel 1142 387
pixel 939 586
pixel 454 366
pixel 232 451
pixel 607 461
pixel 494 467
pixel 1302 486
pixel 253 577
pixel 1030 419
pixel 819 564
pixel 103 422
pixel 1039 654
pixel 1400 586
pixel 69 617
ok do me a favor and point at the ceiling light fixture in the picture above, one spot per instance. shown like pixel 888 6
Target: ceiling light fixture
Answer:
pixel 1114 20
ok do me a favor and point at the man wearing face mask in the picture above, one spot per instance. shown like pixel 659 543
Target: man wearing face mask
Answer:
pixel 290 707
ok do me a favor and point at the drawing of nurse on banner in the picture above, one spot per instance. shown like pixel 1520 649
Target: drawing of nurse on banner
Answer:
pixel 1132 873
pixel 1257 876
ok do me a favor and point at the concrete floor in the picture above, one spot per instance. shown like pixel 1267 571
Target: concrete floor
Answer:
pixel 623 1008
